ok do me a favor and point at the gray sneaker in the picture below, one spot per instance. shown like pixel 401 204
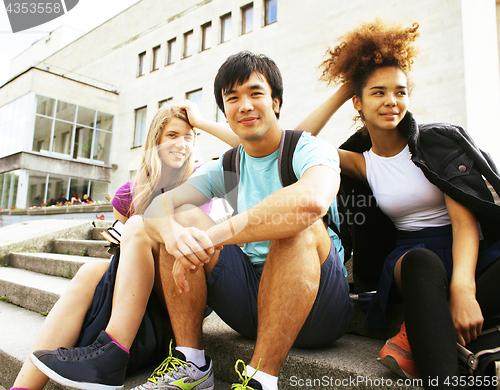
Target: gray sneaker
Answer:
pixel 176 373
pixel 100 366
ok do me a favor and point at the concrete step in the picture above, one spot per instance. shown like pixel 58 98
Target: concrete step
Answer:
pixel 96 234
pixel 90 248
pixel 348 363
pixel 50 263
pixel 31 290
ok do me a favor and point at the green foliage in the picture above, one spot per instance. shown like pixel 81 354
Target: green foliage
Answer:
pixel 84 252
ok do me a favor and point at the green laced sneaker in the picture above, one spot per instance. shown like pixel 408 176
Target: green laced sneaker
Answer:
pixel 176 373
pixel 247 383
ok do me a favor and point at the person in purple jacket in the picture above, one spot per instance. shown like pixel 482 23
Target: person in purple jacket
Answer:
pixel 111 298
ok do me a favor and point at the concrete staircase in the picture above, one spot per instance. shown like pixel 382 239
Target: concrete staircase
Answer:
pixel 39 259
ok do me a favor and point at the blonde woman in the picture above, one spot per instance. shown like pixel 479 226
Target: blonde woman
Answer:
pixel 96 311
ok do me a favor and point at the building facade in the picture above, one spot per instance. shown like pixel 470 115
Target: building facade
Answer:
pixel 74 119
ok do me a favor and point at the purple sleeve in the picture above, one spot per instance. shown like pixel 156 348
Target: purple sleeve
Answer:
pixel 122 199
pixel 207 207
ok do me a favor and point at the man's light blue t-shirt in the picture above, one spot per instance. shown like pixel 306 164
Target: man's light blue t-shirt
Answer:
pixel 259 178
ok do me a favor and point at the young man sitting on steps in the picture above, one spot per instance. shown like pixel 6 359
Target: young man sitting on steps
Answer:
pixel 286 287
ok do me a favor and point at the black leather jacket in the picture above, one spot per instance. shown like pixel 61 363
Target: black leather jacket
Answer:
pixel 449 159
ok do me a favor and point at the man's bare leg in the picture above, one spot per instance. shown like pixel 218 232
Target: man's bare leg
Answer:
pixel 186 309
pixel 288 289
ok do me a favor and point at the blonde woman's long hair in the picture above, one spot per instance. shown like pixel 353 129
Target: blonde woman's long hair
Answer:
pixel 150 171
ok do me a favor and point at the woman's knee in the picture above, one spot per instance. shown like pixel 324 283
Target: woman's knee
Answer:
pixel 421 258
pixel 134 231
pixel 422 264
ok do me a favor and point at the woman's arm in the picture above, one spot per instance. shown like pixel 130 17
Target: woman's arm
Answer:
pixel 464 308
pixel 317 119
pixel 219 130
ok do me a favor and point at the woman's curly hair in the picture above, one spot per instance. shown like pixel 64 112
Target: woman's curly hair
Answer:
pixel 370 46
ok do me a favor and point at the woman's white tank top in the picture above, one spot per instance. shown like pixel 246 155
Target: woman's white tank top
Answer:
pixel 404 193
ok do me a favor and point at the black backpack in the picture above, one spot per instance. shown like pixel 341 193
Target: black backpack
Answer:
pixel 231 166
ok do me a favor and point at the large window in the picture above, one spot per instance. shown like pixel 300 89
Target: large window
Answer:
pixel 171 47
pixel 225 28
pixel 271 11
pixel 58 185
pixel 188 44
pixel 140 66
pixel 46 188
pixel 8 189
pixel 247 18
pixel 206 36
pixel 77 132
pixel 140 126
pixel 37 183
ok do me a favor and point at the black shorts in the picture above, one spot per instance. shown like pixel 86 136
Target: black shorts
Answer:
pixel 233 286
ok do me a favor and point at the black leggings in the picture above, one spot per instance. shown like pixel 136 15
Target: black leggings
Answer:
pixel 429 325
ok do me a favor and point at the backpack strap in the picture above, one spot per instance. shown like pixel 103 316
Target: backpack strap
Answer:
pixel 287 148
pixel 231 167
pixel 287 176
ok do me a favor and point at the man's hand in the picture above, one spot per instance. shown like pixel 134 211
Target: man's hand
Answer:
pixel 191 248
pixel 192 112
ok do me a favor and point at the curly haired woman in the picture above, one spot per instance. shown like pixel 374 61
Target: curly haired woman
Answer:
pixel 438 190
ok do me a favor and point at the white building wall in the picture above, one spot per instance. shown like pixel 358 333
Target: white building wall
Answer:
pixel 482 78
pixel 16 125
pixel 444 87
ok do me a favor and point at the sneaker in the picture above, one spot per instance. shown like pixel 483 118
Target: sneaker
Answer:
pixel 396 355
pixel 176 373
pixel 100 366
pixel 247 383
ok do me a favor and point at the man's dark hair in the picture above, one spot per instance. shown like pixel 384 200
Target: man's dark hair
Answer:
pixel 238 68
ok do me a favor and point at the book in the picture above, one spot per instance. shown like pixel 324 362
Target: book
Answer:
pixel 114 233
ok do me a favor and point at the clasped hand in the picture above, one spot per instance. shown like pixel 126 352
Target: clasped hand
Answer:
pixel 191 248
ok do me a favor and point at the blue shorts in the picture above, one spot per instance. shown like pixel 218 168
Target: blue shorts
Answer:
pixel 233 287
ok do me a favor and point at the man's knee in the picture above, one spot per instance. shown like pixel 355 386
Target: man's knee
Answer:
pixel 313 238
pixel 189 215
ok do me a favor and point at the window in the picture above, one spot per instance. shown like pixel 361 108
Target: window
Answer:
pixel 196 97
pixel 47 188
pixel 188 44
pixel 225 28
pixel 75 131
pixel 247 19
pixel 140 68
pixel 8 189
pixel 206 36
pixel 172 44
pixel 57 185
pixel 156 58
pixel 161 103
pixel 271 11
pixel 140 126
pixel 37 183
pixel 78 186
